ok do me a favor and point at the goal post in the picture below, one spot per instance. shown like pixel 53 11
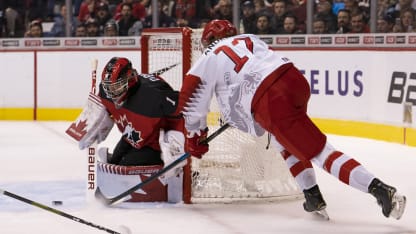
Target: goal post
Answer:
pixel 162 47
pixel 238 167
pixel 162 40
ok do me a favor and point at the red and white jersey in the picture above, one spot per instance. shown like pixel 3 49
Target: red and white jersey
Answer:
pixel 232 68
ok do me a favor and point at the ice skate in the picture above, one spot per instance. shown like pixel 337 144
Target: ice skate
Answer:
pixel 314 202
pixel 392 203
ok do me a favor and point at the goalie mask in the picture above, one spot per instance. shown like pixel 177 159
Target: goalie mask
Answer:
pixel 217 29
pixel 117 77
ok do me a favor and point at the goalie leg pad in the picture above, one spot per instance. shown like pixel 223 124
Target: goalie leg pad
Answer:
pixel 175 188
pixel 172 145
pixel 115 179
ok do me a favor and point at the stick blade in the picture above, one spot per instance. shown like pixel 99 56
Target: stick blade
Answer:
pixel 108 201
pixel 124 229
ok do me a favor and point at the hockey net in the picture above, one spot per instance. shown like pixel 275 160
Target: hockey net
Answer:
pixel 238 167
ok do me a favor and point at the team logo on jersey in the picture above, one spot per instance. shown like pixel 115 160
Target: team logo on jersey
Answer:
pixel 237 114
pixel 129 133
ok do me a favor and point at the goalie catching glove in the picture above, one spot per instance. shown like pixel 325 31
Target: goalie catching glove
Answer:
pixel 194 144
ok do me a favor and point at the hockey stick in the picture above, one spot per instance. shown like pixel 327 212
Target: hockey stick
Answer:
pixel 163 70
pixel 94 64
pixel 58 212
pixel 111 201
pixel 92 149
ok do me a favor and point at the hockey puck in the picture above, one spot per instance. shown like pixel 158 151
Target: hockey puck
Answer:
pixel 57 203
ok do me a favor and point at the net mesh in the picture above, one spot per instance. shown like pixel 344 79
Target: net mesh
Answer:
pixel 238 166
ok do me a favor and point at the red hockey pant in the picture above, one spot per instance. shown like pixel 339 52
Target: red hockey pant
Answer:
pixel 280 108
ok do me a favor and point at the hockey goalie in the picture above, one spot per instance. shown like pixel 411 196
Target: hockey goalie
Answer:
pixel 142 107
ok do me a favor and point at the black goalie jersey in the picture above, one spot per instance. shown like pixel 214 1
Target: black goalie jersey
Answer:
pixel 149 107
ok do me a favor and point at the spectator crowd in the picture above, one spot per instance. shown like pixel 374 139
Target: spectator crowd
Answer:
pixel 92 18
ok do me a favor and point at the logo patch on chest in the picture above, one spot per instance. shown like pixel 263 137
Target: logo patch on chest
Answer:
pixel 129 132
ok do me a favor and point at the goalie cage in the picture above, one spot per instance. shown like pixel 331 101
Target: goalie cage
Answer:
pixel 237 167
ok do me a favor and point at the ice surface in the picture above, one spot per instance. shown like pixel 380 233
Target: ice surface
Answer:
pixel 40 162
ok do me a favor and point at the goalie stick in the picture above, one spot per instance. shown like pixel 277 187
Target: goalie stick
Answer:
pixel 124 196
pixel 58 212
pixel 92 149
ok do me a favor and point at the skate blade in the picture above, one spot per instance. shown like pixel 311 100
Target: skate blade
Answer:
pixel 321 214
pixel 399 205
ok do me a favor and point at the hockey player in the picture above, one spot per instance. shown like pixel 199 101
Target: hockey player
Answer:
pixel 140 105
pixel 257 86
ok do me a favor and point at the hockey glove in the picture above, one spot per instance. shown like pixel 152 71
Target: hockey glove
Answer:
pixel 193 143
